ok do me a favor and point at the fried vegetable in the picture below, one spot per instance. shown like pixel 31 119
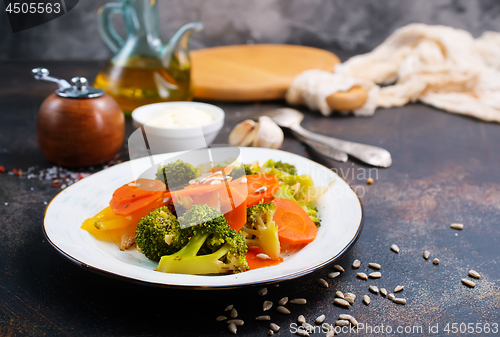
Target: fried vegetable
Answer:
pixel 294 225
pixel 312 211
pixel 158 234
pixel 213 247
pixel 176 174
pixel 281 166
pixel 253 168
pixel 261 230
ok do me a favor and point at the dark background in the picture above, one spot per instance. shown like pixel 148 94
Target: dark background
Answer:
pixel 332 24
pixel 445 170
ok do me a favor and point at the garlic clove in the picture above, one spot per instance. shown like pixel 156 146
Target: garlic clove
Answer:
pixel 243 133
pixel 269 134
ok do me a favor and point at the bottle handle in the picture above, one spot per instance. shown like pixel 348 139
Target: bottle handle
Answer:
pixel 106 28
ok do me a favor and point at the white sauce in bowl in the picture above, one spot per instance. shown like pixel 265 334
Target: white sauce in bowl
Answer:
pixel 182 117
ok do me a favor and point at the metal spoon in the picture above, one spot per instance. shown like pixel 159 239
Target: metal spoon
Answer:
pixel 322 149
pixel 291 118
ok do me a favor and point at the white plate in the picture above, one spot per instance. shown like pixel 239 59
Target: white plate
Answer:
pixel 340 210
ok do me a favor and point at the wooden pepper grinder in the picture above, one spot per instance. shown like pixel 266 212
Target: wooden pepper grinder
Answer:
pixel 78 125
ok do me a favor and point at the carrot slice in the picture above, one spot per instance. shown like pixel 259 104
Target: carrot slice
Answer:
pixel 260 187
pixel 130 199
pixel 254 262
pixel 294 225
pixel 136 190
pixel 196 189
pixel 234 208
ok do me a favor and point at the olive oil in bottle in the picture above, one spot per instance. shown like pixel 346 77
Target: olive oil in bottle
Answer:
pixel 141 81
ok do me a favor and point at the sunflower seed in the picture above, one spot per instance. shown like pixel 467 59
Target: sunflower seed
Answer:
pixel 323 283
pixel 339 268
pixel 339 294
pixel 263 256
pixel 391 297
pixel 399 301
pixel 334 274
pixel 275 327
pixel 232 328
pixel 341 302
pixel 376 274
pixel 350 298
pixel 327 326
pixel 474 274
pixel 308 326
pixel 356 264
pixel 349 318
pixel 342 322
pixel 468 283
pixel 298 301
pixel 229 307
pixel 282 310
pixel 263 318
pixel 395 248
pixel 270 333
pixel 168 238
pixel 221 318
pixel 427 254
pixel 234 313
pixel 262 292
pixel 261 189
pixel 435 261
pixel 398 289
pixel 303 333
pixel 283 301
pixel 366 299
pixel 301 319
pixel 383 291
pixel 350 295
pixel 330 333
pixel 458 226
pixel 374 265
pixel 373 289
pixel 267 305
pixel 276 285
pixel 320 319
pixel 362 276
pixel 237 322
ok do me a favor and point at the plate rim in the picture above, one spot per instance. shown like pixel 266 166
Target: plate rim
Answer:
pixel 295 275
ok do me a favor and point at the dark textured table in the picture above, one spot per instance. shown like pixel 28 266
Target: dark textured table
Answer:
pixel 446 170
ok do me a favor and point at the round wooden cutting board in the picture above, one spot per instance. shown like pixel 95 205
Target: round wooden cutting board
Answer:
pixel 253 72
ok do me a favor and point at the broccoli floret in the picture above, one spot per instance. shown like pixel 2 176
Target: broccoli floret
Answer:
pixel 238 171
pixel 312 211
pixel 261 231
pixel 285 191
pixel 176 174
pixel 214 248
pixel 280 166
pixel 253 168
pixel 158 234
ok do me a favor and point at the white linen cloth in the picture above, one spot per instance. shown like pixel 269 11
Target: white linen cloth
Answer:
pixel 437 65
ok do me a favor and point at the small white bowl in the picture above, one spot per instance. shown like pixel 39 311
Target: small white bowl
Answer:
pixel 164 139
